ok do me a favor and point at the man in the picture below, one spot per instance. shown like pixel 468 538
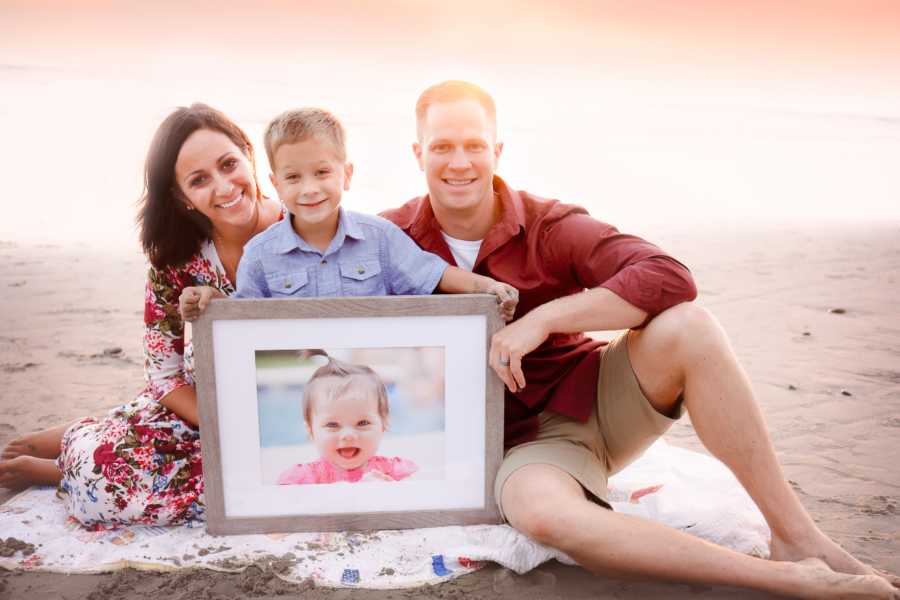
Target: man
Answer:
pixel 577 410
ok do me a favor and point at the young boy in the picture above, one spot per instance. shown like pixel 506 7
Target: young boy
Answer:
pixel 320 249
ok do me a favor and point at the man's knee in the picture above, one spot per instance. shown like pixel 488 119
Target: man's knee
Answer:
pixel 682 325
pixel 536 500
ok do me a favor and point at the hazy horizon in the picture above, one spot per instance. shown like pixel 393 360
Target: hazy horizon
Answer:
pixel 657 112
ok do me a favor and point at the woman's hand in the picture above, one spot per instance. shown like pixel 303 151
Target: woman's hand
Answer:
pixel 507 298
pixel 194 300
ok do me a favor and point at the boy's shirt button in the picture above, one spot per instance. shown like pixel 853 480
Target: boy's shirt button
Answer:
pixel 360 269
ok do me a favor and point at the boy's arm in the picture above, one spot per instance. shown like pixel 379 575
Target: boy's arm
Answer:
pixel 459 281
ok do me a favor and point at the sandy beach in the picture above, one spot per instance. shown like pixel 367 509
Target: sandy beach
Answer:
pixel 811 310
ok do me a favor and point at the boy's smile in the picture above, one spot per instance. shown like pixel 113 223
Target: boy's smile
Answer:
pixel 310 179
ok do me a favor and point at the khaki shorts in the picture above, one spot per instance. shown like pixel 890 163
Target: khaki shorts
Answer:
pixel 622 425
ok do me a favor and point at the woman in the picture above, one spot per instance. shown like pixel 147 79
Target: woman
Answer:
pixel 141 462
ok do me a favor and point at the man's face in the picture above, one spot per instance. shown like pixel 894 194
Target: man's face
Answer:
pixel 458 153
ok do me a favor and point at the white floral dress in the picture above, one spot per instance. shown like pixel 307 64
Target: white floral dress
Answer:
pixel 141 462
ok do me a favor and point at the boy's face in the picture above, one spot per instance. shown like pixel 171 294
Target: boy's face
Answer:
pixel 347 430
pixel 310 178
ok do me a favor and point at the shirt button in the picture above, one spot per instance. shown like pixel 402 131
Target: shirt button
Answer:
pixel 287 285
pixel 360 270
pixel 324 262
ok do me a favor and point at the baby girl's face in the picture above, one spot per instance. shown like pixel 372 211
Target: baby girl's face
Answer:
pixel 347 430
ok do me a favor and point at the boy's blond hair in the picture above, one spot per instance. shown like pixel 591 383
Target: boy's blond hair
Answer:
pixel 298 124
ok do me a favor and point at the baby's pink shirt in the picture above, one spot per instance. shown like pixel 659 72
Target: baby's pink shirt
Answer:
pixel 322 471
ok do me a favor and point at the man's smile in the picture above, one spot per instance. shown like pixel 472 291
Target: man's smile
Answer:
pixel 459 182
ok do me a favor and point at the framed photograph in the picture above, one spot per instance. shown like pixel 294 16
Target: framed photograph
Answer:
pixel 331 414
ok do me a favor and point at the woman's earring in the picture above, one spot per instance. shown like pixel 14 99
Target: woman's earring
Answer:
pixel 189 207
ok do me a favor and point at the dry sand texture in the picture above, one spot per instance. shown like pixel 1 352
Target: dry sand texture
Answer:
pixel 828 382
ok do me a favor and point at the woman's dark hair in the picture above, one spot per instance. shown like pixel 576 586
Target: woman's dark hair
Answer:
pixel 171 234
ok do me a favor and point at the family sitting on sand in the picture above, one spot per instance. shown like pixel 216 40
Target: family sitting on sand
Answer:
pixel 577 409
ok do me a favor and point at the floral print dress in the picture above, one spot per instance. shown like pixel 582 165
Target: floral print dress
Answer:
pixel 141 462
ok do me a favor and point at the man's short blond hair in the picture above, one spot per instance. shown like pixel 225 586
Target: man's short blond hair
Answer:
pixel 453 90
pixel 299 124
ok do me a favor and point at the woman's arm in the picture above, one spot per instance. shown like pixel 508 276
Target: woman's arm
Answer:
pixel 183 402
pixel 168 382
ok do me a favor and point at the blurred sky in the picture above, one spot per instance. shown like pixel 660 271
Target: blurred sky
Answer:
pixel 647 112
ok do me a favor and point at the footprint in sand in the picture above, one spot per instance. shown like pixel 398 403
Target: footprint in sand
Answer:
pixel 113 353
pixel 17 367
pixel 7 432
pixel 880 505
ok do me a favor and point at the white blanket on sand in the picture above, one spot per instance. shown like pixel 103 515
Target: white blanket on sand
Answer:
pixel 686 490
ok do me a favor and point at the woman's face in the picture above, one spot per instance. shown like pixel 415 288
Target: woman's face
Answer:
pixel 215 178
pixel 347 430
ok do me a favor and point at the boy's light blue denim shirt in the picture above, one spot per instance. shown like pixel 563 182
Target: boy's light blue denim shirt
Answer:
pixel 368 256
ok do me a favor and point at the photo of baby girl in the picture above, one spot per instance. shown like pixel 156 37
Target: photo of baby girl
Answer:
pixel 345 421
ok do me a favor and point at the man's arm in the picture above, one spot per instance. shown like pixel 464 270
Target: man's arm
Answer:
pixel 629 281
pixel 592 310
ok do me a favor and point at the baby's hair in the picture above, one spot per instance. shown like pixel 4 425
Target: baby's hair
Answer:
pixel 298 124
pixel 335 378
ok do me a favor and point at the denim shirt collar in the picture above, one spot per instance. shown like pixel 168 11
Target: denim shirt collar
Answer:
pixel 286 239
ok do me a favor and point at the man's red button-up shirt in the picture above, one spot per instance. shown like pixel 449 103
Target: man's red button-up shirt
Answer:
pixel 548 250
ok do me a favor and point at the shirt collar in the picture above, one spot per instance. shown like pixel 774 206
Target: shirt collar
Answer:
pixel 286 239
pixel 512 215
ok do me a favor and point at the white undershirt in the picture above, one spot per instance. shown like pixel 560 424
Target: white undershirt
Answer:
pixel 464 251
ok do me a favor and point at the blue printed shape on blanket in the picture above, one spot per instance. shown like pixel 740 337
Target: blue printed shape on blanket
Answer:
pixel 350 576
pixel 437 565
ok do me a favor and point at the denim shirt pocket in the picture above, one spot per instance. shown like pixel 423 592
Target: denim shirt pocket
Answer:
pixel 289 285
pixel 362 277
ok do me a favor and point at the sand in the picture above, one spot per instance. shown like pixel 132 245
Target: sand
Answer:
pixel 812 312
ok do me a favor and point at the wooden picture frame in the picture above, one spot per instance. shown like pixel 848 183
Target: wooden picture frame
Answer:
pixel 232 335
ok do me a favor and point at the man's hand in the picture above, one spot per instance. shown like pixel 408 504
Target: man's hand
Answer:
pixel 507 298
pixel 193 301
pixel 510 344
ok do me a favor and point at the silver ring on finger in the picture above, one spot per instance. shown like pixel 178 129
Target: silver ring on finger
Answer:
pixel 504 361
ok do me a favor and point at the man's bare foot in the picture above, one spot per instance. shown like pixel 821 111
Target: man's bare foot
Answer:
pixel 40 444
pixel 820 546
pixel 22 471
pixel 817 581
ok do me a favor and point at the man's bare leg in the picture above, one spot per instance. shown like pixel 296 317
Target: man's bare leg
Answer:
pixel 548 505
pixel 684 350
